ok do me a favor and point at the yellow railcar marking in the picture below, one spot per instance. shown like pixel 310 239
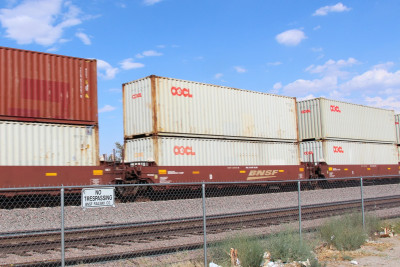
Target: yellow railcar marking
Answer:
pixel 281 170
pixel 51 174
pixel 196 172
pixel 97 172
pixel 162 171
pixel 330 169
pixel 301 169
pixel 242 171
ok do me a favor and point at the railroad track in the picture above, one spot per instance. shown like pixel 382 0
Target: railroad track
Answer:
pixel 42 241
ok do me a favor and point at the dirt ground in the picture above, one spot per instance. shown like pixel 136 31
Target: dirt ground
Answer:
pixel 380 252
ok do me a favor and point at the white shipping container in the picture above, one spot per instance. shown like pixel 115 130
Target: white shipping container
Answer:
pixel 397 126
pixel 398 153
pixel 165 106
pixel 42 144
pixel 176 151
pixel 335 152
pixel 322 118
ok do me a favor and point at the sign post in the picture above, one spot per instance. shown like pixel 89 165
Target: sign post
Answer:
pixel 98 197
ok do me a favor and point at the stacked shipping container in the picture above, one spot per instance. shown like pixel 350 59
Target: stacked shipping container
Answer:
pixel 397 125
pixel 337 133
pixel 182 123
pixel 51 98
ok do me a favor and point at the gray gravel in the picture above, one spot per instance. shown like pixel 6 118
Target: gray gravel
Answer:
pixel 49 217
pixel 45 218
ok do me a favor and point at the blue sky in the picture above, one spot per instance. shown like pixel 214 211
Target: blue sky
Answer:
pixel 348 50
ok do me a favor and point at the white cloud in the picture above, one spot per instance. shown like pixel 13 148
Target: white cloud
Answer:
pixel 128 64
pixel 105 70
pixel 151 2
pixel 149 53
pixel 84 38
pixel 277 86
pixel 301 87
pixel 307 97
pixel 379 102
pixel 375 79
pixel 317 49
pixel 317 27
pixel 41 21
pixel 291 37
pixel 323 11
pixel 240 69
pixel 107 108
pixel 218 76
pixel 277 63
pixel 332 67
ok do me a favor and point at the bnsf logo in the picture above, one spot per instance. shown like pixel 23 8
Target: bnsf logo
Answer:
pixel 184 150
pixel 335 108
pixel 308 153
pixel 263 172
pixel 181 92
pixel 337 149
pixel 306 111
pixel 134 96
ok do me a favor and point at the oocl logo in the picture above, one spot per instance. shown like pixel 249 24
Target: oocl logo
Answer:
pixel 335 108
pixel 184 150
pixel 177 91
pixel 337 149
pixel 305 111
pixel 134 96
pixel 308 153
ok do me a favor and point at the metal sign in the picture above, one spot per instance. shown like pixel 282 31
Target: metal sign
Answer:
pixel 98 197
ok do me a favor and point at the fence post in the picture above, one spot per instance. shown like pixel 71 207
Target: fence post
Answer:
pixel 62 228
pixel 362 202
pixel 203 189
pixel 299 202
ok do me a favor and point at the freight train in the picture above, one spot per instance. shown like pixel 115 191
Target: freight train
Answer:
pixel 178 131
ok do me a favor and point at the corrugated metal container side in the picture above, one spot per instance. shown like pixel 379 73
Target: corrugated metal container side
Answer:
pixel 398 153
pixel 322 118
pixel 177 151
pixel 45 87
pixel 42 144
pixel 348 153
pixel 164 106
pixel 397 125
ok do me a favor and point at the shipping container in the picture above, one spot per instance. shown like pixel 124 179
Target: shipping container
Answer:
pixel 322 118
pixel 178 151
pixel 171 107
pixel 43 144
pixel 398 154
pixel 397 126
pixel 42 87
pixel 334 152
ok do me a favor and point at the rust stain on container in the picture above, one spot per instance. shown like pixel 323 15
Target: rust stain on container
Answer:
pixel 44 87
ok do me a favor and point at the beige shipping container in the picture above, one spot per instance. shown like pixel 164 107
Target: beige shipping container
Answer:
pixel 177 151
pixel 397 126
pixel 165 106
pixel 335 152
pixel 42 144
pixel 322 118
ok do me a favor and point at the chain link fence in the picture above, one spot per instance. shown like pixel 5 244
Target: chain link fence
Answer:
pixel 164 223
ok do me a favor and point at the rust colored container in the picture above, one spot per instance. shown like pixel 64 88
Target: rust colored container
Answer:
pixel 45 87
